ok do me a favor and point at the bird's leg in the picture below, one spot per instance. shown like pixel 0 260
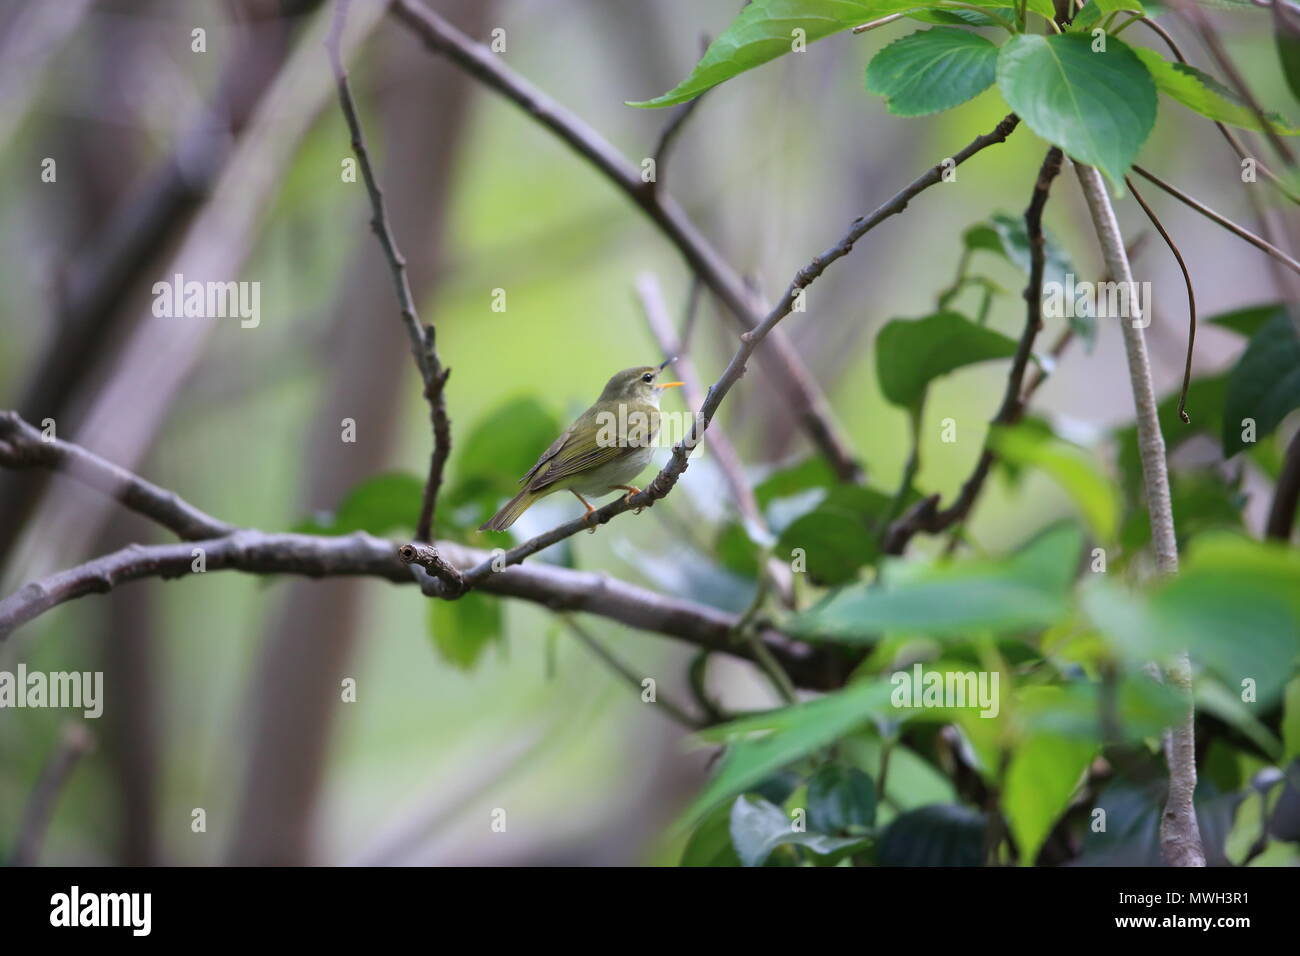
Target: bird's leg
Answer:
pixel 590 510
pixel 631 490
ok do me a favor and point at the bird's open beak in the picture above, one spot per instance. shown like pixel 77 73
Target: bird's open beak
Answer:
pixel 670 384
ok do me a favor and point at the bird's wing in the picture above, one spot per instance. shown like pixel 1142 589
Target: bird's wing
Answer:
pixel 573 452
pixel 548 455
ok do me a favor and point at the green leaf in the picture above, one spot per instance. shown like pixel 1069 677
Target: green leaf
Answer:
pixel 758 828
pixel 1291 720
pixel 1246 322
pixel 1113 6
pixel 943 834
pixel 810 473
pixel 1045 771
pixel 1286 29
pixel 1098 107
pixel 736 550
pixel 792 733
pixel 765 30
pixel 499 448
pixel 1203 93
pixel 841 800
pixel 932 70
pixel 1264 385
pixel 965 17
pixel 1088 16
pixel 379 505
pixel 1234 606
pixel 1024 591
pixel 910 354
pixel 461 630
pixel 710 843
pixel 838 536
pixel 1071 467
pixel 1006 235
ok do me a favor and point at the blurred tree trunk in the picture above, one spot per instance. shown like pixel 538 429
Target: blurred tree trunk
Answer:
pixel 129 641
pixel 133 235
pixel 420 110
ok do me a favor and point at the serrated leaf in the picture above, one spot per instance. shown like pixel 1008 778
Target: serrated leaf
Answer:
pixel 910 354
pixel 1264 386
pixel 932 70
pixel 1098 107
pixel 765 30
pixel 1204 94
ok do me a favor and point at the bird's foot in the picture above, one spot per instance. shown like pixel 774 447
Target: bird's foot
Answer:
pixel 587 517
pixel 631 490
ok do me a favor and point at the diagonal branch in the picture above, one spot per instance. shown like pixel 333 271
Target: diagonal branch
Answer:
pixel 806 397
pixel 424 339
pixel 663 482
pixel 23 447
pixel 1221 220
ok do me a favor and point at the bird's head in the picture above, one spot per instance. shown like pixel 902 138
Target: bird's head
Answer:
pixel 639 384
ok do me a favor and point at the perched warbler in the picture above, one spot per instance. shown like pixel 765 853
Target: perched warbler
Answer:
pixel 608 446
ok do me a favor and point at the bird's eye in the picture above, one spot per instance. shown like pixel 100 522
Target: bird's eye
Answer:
pixel 647 377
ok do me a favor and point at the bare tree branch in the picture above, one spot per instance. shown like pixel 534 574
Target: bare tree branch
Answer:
pixel 810 405
pixel 1180 836
pixel 360 554
pixel 22 447
pixel 424 339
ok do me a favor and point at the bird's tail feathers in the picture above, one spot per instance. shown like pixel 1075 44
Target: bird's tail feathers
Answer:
pixel 510 511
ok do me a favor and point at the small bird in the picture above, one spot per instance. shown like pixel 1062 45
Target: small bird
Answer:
pixel 608 446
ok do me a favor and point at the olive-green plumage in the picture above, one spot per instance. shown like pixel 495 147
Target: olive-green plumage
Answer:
pixel 602 451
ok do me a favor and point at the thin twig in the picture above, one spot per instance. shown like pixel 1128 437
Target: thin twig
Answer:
pixel 925 515
pixel 883 21
pixel 424 339
pixel 724 452
pixel 663 482
pixel 1223 221
pixel 673 710
pixel 74 743
pixel 1191 299
pixel 1180 836
pixel 806 398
